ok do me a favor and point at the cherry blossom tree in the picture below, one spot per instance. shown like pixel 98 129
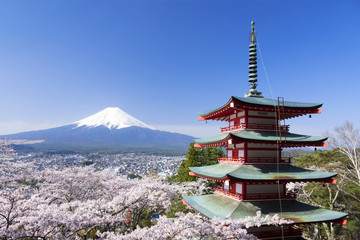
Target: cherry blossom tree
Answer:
pixel 75 201
pixel 78 202
pixel 194 226
pixel 15 174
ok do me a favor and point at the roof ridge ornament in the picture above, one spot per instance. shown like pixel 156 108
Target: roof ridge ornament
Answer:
pixel 253 65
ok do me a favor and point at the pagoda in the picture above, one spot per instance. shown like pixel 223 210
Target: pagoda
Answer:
pixel 254 174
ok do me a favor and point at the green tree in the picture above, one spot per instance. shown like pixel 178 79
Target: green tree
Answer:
pixel 192 160
pixel 339 197
pixel 197 157
pixel 209 155
pixel 194 157
pixel 132 176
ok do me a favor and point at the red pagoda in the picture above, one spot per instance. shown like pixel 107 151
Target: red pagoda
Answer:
pixel 254 174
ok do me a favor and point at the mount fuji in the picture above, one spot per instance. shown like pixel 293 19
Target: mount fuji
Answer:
pixel 110 130
pixel 112 118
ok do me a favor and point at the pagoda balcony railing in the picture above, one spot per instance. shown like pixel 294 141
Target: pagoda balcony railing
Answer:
pixel 254 196
pixel 227 193
pixel 259 126
pixel 231 160
pixel 254 160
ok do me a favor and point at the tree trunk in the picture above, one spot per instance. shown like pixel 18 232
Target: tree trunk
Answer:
pixel 329 229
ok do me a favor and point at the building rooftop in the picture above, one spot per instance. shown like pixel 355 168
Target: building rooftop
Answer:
pixel 262 136
pixel 260 172
pixel 215 205
pixel 290 109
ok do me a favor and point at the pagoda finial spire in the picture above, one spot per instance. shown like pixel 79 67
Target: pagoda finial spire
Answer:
pixel 252 39
pixel 252 65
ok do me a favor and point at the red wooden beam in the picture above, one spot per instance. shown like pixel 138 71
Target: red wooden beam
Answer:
pixel 223 143
pixel 185 203
pixel 341 221
pixel 331 181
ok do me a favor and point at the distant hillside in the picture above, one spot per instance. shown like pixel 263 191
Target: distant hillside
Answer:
pixel 296 152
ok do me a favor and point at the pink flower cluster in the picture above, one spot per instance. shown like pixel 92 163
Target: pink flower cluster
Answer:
pixel 77 203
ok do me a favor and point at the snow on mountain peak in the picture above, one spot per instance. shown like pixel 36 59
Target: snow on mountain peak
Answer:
pixel 112 118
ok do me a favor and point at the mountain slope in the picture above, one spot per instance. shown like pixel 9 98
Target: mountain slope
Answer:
pixel 109 130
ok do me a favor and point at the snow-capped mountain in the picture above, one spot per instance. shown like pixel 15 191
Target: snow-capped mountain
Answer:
pixel 110 130
pixel 112 118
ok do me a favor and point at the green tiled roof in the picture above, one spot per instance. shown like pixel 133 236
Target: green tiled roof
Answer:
pixel 215 139
pixel 266 102
pixel 260 172
pixel 266 136
pixel 215 205
pixel 218 171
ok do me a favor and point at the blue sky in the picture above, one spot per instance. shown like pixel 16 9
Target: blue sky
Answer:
pixel 164 61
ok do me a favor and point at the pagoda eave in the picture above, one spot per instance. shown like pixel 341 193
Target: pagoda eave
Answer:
pixel 283 144
pixel 285 139
pixel 288 110
pixel 261 173
pixel 224 114
pixel 262 181
pixel 207 177
pixel 220 115
pixel 215 205
pixel 285 113
pixel 340 220
pixel 266 181
pixel 218 144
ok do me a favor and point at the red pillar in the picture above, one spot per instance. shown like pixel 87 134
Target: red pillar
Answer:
pixel 245 151
pixel 279 158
